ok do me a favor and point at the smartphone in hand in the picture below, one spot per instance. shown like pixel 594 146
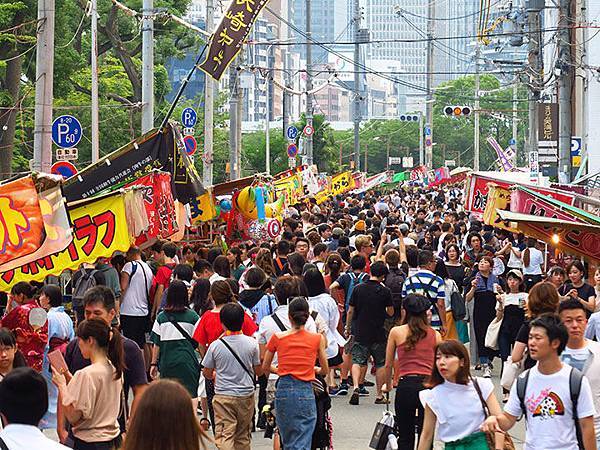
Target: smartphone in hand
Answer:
pixel 57 361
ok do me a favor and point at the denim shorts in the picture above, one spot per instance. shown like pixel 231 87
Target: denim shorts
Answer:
pixel 361 353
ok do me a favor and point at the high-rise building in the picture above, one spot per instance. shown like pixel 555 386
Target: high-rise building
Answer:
pixel 322 25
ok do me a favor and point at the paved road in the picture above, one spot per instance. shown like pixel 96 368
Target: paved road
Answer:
pixel 353 425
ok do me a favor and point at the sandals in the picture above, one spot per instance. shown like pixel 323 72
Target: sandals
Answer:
pixel 381 401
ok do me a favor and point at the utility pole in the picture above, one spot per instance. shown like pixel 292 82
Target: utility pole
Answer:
pixel 476 121
pixel 95 105
pixel 429 102
pixel 286 95
pixel 535 69
pixel 309 86
pixel 387 161
pixel 357 91
pixel 147 65
pixel 209 105
pixel 235 121
pixel 268 113
pixel 44 94
pixel 515 120
pixel 564 92
pixel 421 155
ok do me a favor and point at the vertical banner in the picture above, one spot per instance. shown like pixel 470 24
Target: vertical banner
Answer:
pixel 226 41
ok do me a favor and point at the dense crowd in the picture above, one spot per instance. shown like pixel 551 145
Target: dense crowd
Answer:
pixel 180 345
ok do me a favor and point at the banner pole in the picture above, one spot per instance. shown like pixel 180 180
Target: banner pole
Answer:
pixel 183 86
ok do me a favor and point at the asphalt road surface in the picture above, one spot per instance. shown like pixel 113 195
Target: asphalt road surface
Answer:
pixel 354 425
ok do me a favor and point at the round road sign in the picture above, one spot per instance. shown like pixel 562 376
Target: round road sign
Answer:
pixel 292 132
pixel 428 142
pixel 66 131
pixel 308 130
pixel 292 150
pixel 189 117
pixel 64 168
pixel 190 145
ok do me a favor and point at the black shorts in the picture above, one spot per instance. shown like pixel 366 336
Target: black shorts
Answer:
pixel 134 328
pixel 336 360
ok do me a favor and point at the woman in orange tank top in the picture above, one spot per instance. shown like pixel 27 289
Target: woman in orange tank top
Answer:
pixel 297 350
pixel 414 341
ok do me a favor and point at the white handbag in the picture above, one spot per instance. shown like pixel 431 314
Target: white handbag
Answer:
pixel 491 336
pixel 510 372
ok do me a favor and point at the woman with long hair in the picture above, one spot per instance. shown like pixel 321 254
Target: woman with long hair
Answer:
pixel 234 256
pixel 165 420
pixel 264 261
pixel 454 401
pixel 10 356
pixel 333 268
pixel 543 298
pixel 483 293
pixel 91 397
pixel 533 260
pixel 174 352
pixel 414 343
pixel 454 266
pixel 200 299
pixel 297 350
pixel 577 289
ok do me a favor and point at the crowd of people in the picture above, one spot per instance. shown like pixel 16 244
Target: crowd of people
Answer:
pixel 181 345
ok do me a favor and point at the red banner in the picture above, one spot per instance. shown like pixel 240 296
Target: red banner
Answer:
pixel 525 203
pixel 160 207
pixel 477 192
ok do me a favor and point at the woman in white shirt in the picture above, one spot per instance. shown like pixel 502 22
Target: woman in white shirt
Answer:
pixel 452 401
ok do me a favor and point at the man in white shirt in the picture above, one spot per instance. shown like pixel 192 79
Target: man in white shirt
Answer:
pixel 23 403
pixel 136 281
pixel 551 416
pixel 581 353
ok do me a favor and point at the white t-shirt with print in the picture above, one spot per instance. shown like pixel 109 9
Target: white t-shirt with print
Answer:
pixel 576 358
pixel 550 423
pixel 457 407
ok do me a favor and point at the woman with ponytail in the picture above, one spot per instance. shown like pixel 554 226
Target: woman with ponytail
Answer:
pixel 414 342
pixel 91 398
pixel 297 350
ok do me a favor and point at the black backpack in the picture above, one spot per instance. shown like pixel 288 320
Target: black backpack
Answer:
pixel 394 282
pixel 575 380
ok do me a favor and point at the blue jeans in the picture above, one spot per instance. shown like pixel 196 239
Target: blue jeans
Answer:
pixel 295 412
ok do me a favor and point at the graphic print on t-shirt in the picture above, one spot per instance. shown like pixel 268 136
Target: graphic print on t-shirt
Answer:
pixel 546 405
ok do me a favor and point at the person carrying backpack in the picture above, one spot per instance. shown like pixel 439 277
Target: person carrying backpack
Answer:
pixel 84 279
pixel 347 282
pixel 555 399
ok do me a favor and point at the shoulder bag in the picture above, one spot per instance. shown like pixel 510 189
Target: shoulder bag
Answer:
pixel 491 437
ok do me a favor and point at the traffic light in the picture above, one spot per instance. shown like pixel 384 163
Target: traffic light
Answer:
pixel 457 111
pixel 409 117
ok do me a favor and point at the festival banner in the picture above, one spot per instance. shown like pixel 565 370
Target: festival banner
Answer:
pixel 372 182
pixel 99 230
pixel 572 237
pixel 291 188
pixel 158 149
pixel 526 201
pixel 32 224
pixel 226 42
pixel 476 191
pixel 341 183
pixel 203 208
pixel 159 205
pixel 418 173
pixel 499 198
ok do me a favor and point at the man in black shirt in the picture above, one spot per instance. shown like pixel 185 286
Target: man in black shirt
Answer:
pixel 99 303
pixel 370 304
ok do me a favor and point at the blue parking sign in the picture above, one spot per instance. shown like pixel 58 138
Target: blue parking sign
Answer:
pixel 66 131
pixel 189 117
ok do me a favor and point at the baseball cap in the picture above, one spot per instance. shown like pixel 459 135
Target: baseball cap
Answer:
pixel 515 272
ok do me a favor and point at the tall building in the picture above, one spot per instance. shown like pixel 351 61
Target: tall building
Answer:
pixel 322 25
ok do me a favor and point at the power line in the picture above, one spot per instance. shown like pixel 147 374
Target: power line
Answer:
pixel 405 11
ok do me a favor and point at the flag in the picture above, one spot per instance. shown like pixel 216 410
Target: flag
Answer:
pixel 158 149
pixel 226 42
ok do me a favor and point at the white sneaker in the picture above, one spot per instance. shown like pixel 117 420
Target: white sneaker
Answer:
pixel 487 372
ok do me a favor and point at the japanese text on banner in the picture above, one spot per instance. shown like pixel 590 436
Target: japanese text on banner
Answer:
pixel 341 183
pixel 99 230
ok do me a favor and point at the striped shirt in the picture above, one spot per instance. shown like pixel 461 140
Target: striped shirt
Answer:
pixel 426 283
